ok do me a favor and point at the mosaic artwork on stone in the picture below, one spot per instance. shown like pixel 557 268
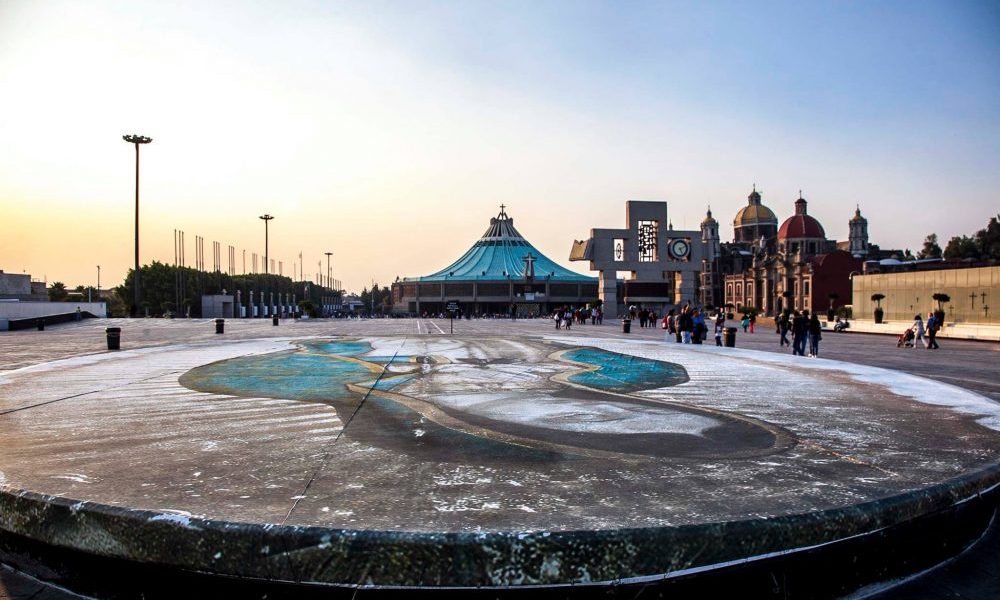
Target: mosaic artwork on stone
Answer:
pixel 527 397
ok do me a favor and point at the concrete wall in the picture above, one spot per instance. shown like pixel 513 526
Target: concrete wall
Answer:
pixel 14 311
pixel 14 285
pixel 975 295
pixel 217 307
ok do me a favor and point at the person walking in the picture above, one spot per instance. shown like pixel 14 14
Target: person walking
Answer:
pixel 698 329
pixel 720 324
pixel 800 328
pixel 745 322
pixel 784 324
pixel 815 335
pixel 753 320
pixel 932 328
pixel 686 325
pixel 918 331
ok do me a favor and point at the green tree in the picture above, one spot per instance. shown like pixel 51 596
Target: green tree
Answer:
pixel 58 292
pixel 988 240
pixel 931 248
pixel 960 247
pixel 166 288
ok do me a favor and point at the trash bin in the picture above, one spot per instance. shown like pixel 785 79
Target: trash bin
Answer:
pixel 41 324
pixel 729 337
pixel 220 326
pixel 274 320
pixel 114 337
pixel 626 325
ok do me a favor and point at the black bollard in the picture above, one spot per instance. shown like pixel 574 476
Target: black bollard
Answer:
pixel 114 337
pixel 626 325
pixel 220 326
pixel 41 324
pixel 729 337
pixel 274 320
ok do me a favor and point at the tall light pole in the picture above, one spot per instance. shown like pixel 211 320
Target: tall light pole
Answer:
pixel 329 298
pixel 136 140
pixel 265 217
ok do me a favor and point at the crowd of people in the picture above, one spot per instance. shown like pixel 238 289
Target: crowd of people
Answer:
pixel 565 316
pixel 806 331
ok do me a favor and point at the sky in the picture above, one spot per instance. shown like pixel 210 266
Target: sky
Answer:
pixel 389 133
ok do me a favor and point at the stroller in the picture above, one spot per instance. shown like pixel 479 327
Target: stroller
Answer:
pixel 905 339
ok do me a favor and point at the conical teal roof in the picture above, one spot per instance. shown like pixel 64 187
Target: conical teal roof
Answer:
pixel 501 254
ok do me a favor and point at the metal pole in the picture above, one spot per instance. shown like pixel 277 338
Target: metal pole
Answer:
pixel 136 140
pixel 135 276
pixel 266 217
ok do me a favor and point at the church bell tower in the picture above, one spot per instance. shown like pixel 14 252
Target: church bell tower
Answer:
pixel 858 237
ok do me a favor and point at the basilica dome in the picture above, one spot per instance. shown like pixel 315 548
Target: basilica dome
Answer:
pixel 801 225
pixel 754 220
pixel 754 213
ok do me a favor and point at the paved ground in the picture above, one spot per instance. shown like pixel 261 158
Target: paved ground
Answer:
pixel 971 365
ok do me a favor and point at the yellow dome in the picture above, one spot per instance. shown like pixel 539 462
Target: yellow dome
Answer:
pixel 754 214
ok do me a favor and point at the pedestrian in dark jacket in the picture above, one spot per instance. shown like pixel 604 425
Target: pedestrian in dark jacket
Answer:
pixel 784 324
pixel 686 325
pixel 800 329
pixel 933 325
pixel 815 334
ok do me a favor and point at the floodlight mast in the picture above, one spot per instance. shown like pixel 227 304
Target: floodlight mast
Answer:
pixel 265 217
pixel 136 140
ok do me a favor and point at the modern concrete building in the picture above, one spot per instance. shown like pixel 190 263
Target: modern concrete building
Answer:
pixel 663 265
pixel 218 306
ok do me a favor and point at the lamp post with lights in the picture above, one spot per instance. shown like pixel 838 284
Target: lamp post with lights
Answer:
pixel 136 140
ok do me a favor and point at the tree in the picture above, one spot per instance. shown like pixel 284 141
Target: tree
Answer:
pixel 57 292
pixel 931 248
pixel 961 248
pixel 988 240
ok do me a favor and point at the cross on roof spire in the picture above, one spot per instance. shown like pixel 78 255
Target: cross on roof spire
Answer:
pixel 529 265
pixel 503 214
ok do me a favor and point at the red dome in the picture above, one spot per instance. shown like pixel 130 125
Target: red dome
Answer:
pixel 801 226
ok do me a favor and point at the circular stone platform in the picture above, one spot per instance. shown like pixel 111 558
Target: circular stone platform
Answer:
pixel 456 462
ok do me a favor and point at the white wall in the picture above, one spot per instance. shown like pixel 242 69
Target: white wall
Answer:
pixel 29 310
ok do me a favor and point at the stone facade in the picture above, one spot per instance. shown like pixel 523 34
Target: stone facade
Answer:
pixel 795 268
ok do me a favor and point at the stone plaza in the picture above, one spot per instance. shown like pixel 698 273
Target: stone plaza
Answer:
pixel 392 454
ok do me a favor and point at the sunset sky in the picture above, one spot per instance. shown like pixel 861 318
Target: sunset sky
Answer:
pixel 390 132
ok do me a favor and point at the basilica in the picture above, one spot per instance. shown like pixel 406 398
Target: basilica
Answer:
pixel 771 268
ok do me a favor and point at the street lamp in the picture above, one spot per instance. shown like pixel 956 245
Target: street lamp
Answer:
pixel 136 140
pixel 265 217
pixel 328 272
